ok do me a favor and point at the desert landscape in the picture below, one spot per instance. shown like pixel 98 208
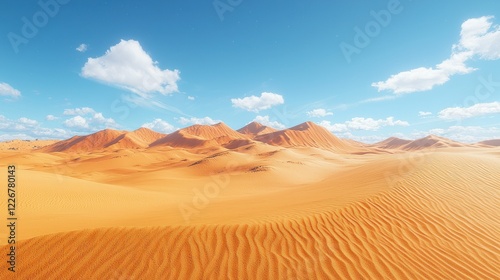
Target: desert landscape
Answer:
pixel 210 202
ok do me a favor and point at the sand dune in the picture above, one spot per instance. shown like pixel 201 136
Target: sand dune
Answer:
pixel 392 143
pixel 431 142
pixel 208 202
pixel 106 139
pixel 426 222
pixel 254 128
pixel 307 134
pixel 92 142
pixel 494 142
pixel 24 145
pixel 200 136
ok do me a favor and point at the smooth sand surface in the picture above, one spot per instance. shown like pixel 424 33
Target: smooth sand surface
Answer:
pixel 257 211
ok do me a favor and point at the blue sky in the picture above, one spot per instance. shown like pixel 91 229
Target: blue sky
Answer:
pixel 365 71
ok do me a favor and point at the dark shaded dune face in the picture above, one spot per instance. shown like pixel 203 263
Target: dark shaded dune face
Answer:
pixel 493 143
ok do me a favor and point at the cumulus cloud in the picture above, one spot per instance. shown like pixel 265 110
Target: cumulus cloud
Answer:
pixel 193 120
pixel 257 103
pixel 480 109
pixel 94 122
pixel 478 38
pixel 51 118
pixel 79 111
pixel 267 122
pixel 28 129
pixel 21 124
pixel 8 90
pixel 319 113
pixel 424 114
pixel 160 125
pixel 191 97
pixel 28 122
pixel 128 66
pixel 77 122
pixel 82 48
pixel 362 124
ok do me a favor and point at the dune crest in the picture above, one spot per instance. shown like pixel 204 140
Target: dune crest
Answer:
pixel 422 228
pixel 254 128
pixel 307 134
pixel 208 202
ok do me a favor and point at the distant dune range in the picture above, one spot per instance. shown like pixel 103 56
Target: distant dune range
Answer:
pixel 209 202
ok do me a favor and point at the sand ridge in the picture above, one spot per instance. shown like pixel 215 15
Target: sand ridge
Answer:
pixel 391 235
pixel 208 202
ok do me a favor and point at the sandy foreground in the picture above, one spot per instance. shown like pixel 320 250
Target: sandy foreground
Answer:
pixel 256 212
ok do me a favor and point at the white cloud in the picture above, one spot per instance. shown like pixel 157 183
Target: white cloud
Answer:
pixel 79 111
pixel 21 124
pixel 94 122
pixel 82 48
pixel 28 122
pixel 478 38
pixel 371 124
pixel 128 66
pixel 319 113
pixel 8 90
pixel 480 109
pixel 255 103
pixel 51 118
pixel 362 124
pixel 191 97
pixel 337 127
pixel 77 122
pixel 160 125
pixel 265 121
pixel 25 128
pixel 422 79
pixel 465 134
pixel 193 120
pixel 424 114
pixel 378 99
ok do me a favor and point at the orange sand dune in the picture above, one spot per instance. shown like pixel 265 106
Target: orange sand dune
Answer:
pixel 431 142
pixel 24 145
pixel 307 134
pixel 388 216
pixel 208 202
pixel 254 128
pixel 392 143
pixel 200 136
pixel 106 139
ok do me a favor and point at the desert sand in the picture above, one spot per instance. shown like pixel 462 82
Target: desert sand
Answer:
pixel 209 202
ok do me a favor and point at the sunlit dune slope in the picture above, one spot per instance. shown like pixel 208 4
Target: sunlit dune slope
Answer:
pixel 24 145
pixel 254 128
pixel 306 134
pixel 200 136
pixel 106 139
pixel 435 217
